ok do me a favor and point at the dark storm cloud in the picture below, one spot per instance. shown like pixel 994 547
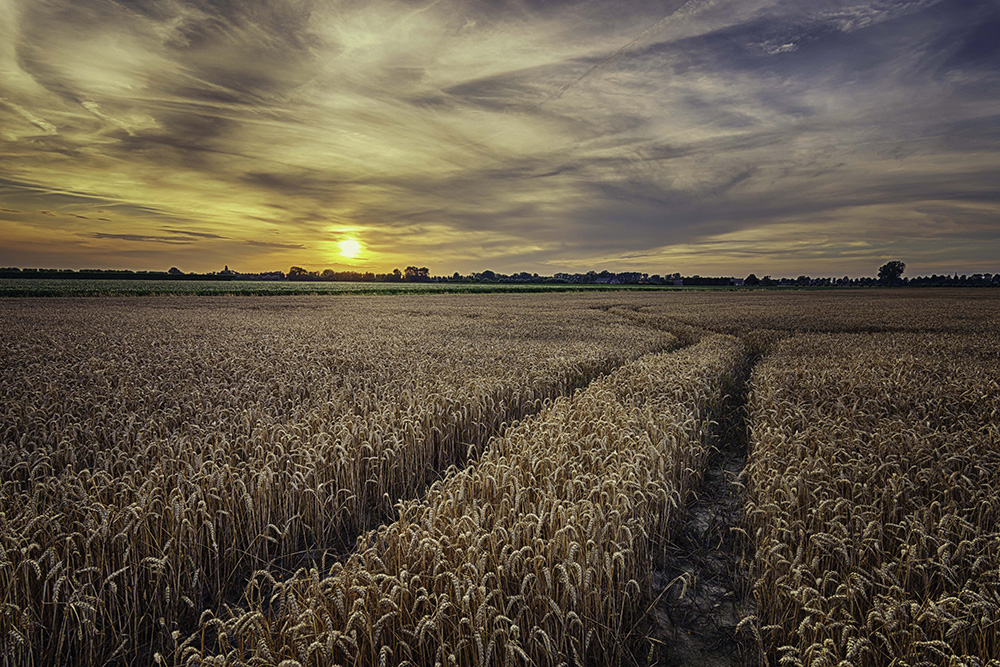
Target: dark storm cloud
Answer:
pixel 533 134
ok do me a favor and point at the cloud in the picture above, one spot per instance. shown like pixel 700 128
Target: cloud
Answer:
pixel 189 233
pixel 525 135
pixel 268 244
pixel 171 236
pixel 142 238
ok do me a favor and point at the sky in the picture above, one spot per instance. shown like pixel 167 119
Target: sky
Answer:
pixel 717 137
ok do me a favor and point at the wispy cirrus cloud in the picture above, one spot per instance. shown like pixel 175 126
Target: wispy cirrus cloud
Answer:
pixel 716 136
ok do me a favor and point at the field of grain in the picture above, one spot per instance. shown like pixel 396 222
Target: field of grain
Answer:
pixel 492 479
pixel 540 552
pixel 875 500
pixel 155 455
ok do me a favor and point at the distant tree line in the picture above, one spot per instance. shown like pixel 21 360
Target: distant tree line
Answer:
pixel 114 274
pixel 412 274
pixel 890 274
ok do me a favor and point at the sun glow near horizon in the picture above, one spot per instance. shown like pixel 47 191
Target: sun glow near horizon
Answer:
pixel 350 248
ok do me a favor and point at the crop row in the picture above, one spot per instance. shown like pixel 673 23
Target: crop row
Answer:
pixel 874 506
pixel 539 553
pixel 153 455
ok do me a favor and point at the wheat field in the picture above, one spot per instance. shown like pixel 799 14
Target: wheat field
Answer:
pixel 153 458
pixel 492 479
pixel 538 552
pixel 874 500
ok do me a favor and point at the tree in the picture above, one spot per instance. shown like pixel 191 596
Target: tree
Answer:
pixel 751 280
pixel 890 272
pixel 174 271
pixel 297 273
pixel 417 275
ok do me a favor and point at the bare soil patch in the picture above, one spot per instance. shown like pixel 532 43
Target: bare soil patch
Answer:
pixel 701 587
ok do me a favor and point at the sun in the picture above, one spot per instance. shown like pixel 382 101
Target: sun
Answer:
pixel 350 248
